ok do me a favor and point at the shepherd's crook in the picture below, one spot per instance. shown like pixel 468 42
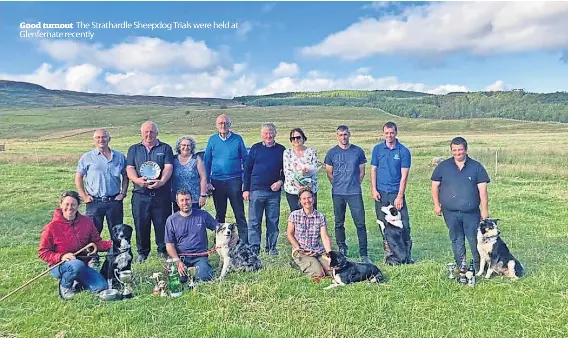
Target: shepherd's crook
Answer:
pixel 90 245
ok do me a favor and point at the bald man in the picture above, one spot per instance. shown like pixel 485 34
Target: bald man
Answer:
pixel 151 202
pixel 102 183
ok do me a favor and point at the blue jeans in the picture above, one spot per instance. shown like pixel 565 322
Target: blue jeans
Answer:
pixel 389 197
pixel 267 202
pixel 463 224
pixel 146 210
pixel 98 210
pixel 77 270
pixel 231 189
pixel 203 271
pixel 357 208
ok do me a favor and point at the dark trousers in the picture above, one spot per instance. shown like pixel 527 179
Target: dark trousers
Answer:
pixel 147 210
pixel 387 198
pixel 357 208
pixel 463 225
pixel 294 201
pixel 268 203
pixel 112 210
pixel 233 191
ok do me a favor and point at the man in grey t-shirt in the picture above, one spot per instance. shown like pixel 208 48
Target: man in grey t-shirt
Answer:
pixel 345 167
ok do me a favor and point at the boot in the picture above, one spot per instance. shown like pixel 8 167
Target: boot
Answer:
pixel 409 260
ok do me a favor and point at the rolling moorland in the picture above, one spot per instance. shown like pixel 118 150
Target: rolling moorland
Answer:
pixel 527 163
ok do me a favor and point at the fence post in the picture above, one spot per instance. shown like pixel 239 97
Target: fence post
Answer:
pixel 496 161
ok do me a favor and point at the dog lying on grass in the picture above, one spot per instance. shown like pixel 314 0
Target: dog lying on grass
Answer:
pixel 345 271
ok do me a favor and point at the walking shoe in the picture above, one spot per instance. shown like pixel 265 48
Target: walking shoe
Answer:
pixel 65 293
pixel 366 260
pixel 140 259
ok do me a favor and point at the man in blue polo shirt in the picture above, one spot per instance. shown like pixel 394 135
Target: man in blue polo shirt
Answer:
pixel 345 168
pixel 186 237
pixel 151 197
pixel 390 165
pixel 225 156
pixel 459 188
pixel 102 183
pixel 263 179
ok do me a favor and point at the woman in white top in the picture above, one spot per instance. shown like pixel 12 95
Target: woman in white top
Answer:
pixel 300 169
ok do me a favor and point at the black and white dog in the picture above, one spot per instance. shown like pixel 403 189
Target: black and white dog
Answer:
pixel 345 271
pixel 234 257
pixel 119 257
pixel 396 251
pixel 494 253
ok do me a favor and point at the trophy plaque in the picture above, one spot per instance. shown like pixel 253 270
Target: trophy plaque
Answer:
pixel 150 170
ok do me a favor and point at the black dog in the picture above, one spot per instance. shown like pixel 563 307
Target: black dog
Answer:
pixel 494 253
pixel 119 257
pixel 396 251
pixel 347 272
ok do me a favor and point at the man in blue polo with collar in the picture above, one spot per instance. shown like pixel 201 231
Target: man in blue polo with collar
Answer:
pixel 390 165
pixel 102 183
pixel 151 197
pixel 459 188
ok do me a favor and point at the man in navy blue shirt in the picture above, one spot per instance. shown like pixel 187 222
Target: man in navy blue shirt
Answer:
pixel 390 165
pixel 151 201
pixel 345 168
pixel 225 156
pixel 459 188
pixel 186 237
pixel 263 179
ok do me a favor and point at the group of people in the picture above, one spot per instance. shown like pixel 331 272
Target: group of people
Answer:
pixel 229 171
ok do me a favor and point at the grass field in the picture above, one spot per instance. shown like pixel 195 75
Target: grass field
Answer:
pixel 527 162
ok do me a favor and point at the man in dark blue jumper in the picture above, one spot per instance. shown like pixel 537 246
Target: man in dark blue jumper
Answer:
pixel 263 178
pixel 459 187
pixel 225 156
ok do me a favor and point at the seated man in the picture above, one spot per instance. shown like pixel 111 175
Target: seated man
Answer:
pixel 186 234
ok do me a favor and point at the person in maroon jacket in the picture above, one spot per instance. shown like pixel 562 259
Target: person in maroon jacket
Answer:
pixel 68 232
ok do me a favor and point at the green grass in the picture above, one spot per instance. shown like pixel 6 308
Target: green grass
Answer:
pixel 529 192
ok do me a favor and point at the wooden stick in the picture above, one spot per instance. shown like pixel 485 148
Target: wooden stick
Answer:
pixel 93 245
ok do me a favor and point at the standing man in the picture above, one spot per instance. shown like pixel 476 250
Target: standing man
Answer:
pixel 151 197
pixel 390 164
pixel 102 183
pixel 263 178
pixel 225 156
pixel 459 187
pixel 345 167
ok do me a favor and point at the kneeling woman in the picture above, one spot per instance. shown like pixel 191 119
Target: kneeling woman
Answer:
pixel 68 232
pixel 306 227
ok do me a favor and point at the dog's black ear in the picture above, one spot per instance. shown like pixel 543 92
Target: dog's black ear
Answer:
pixel 393 211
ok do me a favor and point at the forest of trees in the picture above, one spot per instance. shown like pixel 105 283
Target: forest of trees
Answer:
pixel 516 104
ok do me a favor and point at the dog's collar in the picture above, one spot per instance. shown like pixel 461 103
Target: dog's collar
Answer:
pixel 489 238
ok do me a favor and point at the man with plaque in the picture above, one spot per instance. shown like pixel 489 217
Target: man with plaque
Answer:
pixel 149 165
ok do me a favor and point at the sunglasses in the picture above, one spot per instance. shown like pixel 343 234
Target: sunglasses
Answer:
pixel 297 138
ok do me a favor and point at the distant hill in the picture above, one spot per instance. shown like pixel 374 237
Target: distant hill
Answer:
pixel 15 94
pixel 516 104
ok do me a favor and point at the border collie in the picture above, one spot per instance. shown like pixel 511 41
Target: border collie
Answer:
pixel 345 271
pixel 494 253
pixel 237 257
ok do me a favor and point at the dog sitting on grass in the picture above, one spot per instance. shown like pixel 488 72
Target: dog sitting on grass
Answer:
pixel 494 253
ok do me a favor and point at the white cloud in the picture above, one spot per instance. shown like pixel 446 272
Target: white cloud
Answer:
pixel 318 82
pixel 480 28
pixel 497 86
pixel 76 78
pixel 268 7
pixel 244 28
pixel 286 69
pixel 141 53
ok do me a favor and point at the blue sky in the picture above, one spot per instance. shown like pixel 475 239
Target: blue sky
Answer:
pixel 434 47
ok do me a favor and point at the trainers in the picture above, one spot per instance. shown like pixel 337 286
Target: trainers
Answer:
pixel 366 260
pixel 140 259
pixel 65 293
